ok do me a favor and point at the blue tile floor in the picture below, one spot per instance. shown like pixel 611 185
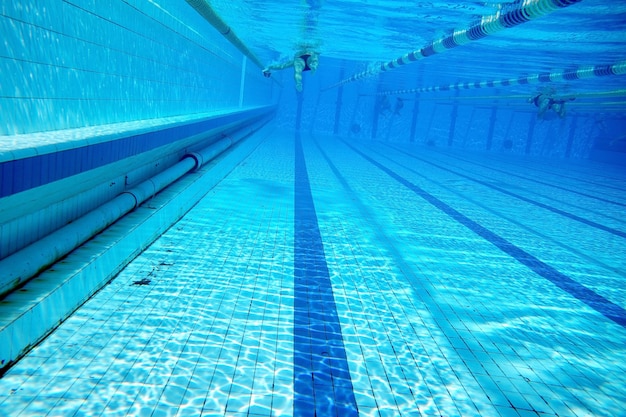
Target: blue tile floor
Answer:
pixel 331 278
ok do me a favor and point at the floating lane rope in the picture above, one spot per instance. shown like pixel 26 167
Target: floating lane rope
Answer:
pixel 488 25
pixel 205 10
pixel 569 75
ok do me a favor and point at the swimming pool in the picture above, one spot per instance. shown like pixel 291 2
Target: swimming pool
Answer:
pixel 410 235
pixel 386 289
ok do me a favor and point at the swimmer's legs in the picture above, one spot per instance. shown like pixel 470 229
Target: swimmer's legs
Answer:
pixel 544 105
pixel 298 66
pixel 559 108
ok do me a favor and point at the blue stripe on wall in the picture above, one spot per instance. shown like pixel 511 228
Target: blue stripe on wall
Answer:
pixel 592 299
pixel 23 174
pixel 322 384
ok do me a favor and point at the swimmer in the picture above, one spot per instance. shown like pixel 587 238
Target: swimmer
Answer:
pixel 305 60
pixel 399 106
pixel 546 101
pixel 384 106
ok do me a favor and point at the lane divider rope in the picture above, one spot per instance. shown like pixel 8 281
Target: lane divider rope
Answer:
pixel 488 25
pixel 567 75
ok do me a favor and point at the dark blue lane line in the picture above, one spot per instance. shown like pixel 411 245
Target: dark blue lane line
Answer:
pixel 604 200
pixel 322 384
pixel 592 299
pixel 518 223
pixel 569 177
pixel 525 199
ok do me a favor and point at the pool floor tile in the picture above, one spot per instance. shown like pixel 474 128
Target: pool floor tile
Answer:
pixel 429 316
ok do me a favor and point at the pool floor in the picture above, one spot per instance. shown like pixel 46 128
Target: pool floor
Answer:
pixel 330 277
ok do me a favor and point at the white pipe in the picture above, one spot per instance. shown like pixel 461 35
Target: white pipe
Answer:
pixel 212 151
pixel 31 260
pixel 242 84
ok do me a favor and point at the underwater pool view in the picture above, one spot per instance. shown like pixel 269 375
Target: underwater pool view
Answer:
pixel 429 221
pixel 430 283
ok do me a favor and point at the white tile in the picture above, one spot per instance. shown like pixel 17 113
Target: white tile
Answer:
pixel 219 319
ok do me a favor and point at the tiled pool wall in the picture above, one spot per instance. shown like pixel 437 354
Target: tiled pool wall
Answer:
pixel 43 189
pixel 28 314
pixel 97 97
pixel 73 63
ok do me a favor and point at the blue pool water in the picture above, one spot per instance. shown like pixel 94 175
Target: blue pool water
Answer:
pixel 439 252
pixel 375 292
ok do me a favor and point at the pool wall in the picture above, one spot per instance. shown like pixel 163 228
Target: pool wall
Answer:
pixel 98 98
pixel 70 64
